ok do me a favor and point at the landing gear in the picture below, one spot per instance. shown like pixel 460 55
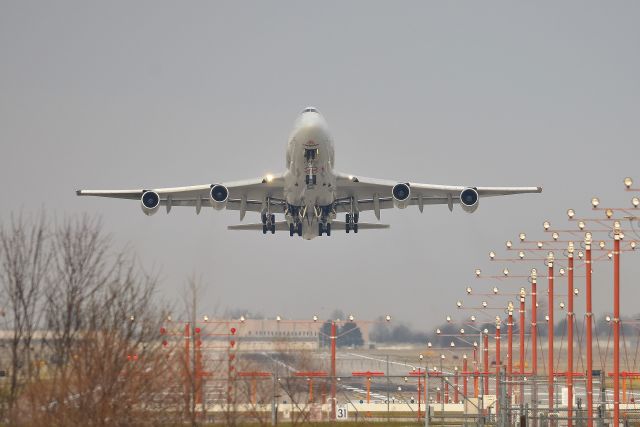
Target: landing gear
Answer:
pixel 324 228
pixel 351 222
pixel 310 179
pixel 268 223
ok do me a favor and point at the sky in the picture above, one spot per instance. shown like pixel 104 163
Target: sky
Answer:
pixel 108 95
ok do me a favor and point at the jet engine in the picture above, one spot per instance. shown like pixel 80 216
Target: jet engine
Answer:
pixel 401 195
pixel 218 196
pixel 150 201
pixel 469 200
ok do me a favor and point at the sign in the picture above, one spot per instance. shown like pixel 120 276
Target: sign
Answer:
pixel 342 413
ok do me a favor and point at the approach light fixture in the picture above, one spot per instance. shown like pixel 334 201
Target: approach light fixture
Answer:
pixel 595 202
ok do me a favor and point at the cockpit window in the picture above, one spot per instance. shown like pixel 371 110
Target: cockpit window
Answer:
pixel 310 110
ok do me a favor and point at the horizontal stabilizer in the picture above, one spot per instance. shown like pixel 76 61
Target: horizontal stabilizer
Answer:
pixel 280 226
pixel 339 225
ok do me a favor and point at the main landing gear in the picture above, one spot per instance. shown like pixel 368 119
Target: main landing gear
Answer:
pixel 351 222
pixel 268 223
pixel 324 227
pixel 295 229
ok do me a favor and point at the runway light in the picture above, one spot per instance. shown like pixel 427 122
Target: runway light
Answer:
pixel 555 236
pixel 278 318
pixel 478 272
pixel 546 317
pixel 534 274
pixel 576 291
pixel 205 318
pixel 562 271
pixel 429 345
pixel 351 317
pixel 561 305
pixel 452 344
pixel 420 356
pixel 595 202
pixel 523 292
pixel 539 245
pixel 169 318
pixel 438 331
pixel 461 331
pixel 315 318
pixel 635 202
pixel 464 356
pixel 521 254
pixel 469 290
pixel 608 319
pixel 510 307
pixel 495 290
pixel 498 320
pixel 242 319
pixel 628 182
pixel 492 255
pixel 522 236
pixel 610 256
pixel 505 271
pixel 475 344
pixel 633 245
pixel 388 318
pixel 581 225
pixel 473 318
pixel 448 319
pixel 580 254
pixel 508 244
pixel 602 244
pixel 486 331
pixel 571 213
pixel 442 357
pixel 132 318
pixel 484 304
pixel 546 225
pixel 459 304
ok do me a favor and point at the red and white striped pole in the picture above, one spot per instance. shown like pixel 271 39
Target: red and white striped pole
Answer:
pixel 617 236
pixel 570 316
pixel 589 328
pixel 523 294
pixel 550 324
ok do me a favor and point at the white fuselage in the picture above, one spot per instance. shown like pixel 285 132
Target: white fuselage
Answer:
pixel 309 182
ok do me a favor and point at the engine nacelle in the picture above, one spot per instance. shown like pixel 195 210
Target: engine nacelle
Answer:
pixel 469 200
pixel 218 196
pixel 401 194
pixel 150 202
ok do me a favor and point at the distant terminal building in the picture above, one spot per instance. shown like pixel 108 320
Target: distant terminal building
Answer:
pixel 271 334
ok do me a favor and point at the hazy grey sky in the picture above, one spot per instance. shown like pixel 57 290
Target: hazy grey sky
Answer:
pixel 149 94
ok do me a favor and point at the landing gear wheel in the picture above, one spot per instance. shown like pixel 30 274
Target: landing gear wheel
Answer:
pixel 264 228
pixel 291 232
pixel 273 228
pixel 328 229
pixel 347 227
pixel 355 227
pixel 273 219
pixel 264 217
pixel 300 229
pixel 347 218
pixel 320 229
pixel 356 217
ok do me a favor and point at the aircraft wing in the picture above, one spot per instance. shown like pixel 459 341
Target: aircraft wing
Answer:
pixel 376 194
pixel 246 195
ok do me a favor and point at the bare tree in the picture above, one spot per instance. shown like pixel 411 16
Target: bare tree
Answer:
pixel 24 264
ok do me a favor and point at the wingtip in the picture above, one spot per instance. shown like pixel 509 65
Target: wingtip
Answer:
pixel 78 192
pixel 539 189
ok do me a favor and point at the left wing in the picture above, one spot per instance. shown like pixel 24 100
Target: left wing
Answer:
pixel 243 196
pixel 376 194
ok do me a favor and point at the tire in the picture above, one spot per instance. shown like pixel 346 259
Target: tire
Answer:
pixel 320 229
pixel 356 217
pixel 355 227
pixel 347 218
pixel 291 230
pixel 264 217
pixel 264 228
pixel 328 229
pixel 273 229
pixel 273 219
pixel 347 227
pixel 313 179
pixel 300 229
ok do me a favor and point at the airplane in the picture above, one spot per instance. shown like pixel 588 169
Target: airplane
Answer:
pixel 310 194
